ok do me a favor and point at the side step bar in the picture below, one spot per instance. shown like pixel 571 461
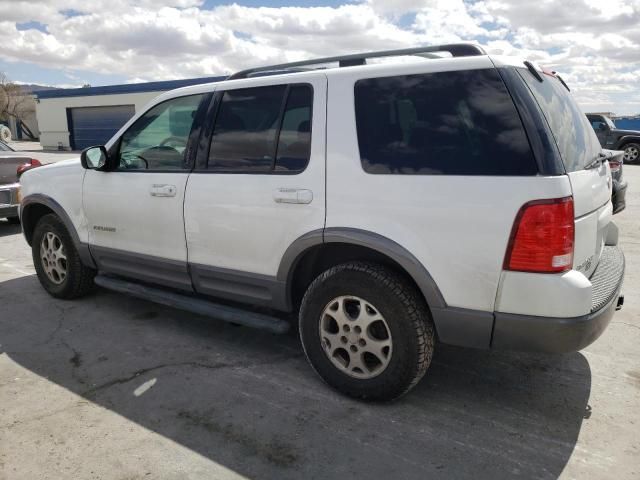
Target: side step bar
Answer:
pixel 194 305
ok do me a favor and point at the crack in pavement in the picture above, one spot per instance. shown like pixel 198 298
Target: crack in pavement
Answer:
pixel 217 366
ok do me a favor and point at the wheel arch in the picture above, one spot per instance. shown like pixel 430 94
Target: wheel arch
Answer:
pixel 320 249
pixel 35 206
pixel 622 141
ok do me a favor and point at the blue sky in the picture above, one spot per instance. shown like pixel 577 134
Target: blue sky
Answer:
pixel 69 43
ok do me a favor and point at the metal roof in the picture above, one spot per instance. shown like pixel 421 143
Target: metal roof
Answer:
pixel 126 88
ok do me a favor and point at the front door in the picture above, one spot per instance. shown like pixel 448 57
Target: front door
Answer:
pixel 261 186
pixel 135 210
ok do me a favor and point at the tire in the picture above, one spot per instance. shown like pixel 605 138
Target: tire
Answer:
pixel 401 311
pixel 13 220
pixel 77 279
pixel 631 153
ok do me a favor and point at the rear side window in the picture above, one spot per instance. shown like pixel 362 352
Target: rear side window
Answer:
pixel 446 123
pixel 262 129
pixel 576 140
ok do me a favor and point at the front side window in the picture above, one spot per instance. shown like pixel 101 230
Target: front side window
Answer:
pixel 596 122
pixel 158 139
pixel 446 123
pixel 262 129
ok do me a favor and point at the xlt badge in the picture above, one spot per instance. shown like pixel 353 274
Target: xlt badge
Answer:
pixel 104 229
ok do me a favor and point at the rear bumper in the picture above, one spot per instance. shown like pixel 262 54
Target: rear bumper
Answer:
pixel 557 335
pixel 9 200
pixel 618 196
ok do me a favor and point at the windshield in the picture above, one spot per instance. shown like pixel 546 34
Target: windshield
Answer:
pixel 609 122
pixel 576 140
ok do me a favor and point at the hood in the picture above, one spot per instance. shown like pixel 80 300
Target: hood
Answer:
pixel 619 131
pixel 53 169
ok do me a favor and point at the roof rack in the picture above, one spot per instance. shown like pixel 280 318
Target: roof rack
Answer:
pixel 455 49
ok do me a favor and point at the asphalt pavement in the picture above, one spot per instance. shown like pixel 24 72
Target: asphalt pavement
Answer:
pixel 110 387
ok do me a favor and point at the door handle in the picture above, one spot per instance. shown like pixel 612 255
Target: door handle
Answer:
pixel 292 195
pixel 163 190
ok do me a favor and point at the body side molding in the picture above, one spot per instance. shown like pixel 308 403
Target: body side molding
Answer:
pixel 147 268
pixel 245 287
pixel 39 199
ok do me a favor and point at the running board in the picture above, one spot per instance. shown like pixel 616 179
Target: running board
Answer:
pixel 194 305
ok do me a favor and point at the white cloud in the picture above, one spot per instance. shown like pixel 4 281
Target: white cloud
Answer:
pixel 594 44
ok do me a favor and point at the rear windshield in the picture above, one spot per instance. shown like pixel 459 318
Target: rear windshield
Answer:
pixel 446 123
pixel 576 140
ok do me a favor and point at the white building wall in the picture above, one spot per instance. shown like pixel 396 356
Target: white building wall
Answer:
pixel 52 113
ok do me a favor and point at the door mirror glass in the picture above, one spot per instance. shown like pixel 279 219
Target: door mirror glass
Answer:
pixel 94 158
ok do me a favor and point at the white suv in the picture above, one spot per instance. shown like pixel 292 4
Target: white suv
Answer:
pixel 461 198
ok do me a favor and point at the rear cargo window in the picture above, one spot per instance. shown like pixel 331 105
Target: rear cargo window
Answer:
pixel 576 140
pixel 446 123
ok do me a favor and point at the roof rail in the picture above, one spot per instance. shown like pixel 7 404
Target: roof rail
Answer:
pixel 455 49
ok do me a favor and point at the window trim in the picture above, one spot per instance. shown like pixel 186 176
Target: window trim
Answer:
pixel 190 149
pixel 202 162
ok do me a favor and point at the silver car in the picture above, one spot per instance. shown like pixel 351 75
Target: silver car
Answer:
pixel 12 165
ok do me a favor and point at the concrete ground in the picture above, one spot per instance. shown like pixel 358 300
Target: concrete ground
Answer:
pixel 110 387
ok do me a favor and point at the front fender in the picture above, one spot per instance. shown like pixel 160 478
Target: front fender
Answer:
pixel 35 206
pixel 626 139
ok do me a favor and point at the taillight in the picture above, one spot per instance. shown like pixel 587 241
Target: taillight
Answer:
pixel 28 166
pixel 614 166
pixel 542 237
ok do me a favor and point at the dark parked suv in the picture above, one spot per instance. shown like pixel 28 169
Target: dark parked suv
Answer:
pixel 615 138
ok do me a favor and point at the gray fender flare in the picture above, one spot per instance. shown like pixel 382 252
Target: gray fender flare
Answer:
pixel 39 199
pixel 455 326
pixel 626 139
pixel 364 238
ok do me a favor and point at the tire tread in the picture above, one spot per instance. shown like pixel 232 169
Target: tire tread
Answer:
pixel 416 311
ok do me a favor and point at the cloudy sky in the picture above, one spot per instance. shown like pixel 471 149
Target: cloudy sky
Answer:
pixel 595 44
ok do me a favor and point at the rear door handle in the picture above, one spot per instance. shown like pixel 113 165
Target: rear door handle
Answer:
pixel 163 190
pixel 292 195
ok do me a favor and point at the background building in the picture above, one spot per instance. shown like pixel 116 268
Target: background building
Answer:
pixel 76 118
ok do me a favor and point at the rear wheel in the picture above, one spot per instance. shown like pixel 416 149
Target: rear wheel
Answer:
pixel 366 331
pixel 631 153
pixel 57 261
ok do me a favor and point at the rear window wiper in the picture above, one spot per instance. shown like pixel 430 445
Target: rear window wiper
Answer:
pixel 596 162
pixel 533 70
pixel 562 82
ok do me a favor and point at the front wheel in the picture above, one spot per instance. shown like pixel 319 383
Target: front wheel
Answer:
pixel 366 331
pixel 57 261
pixel 631 153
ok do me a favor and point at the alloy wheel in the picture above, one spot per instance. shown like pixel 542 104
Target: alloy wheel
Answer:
pixel 355 337
pixel 53 258
pixel 631 154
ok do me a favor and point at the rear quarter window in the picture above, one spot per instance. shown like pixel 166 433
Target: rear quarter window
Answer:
pixel 572 131
pixel 446 123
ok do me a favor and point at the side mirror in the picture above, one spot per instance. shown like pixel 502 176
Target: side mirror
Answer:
pixel 94 158
pixel 603 126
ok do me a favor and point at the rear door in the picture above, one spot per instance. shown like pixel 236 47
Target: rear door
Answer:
pixel 260 186
pixel 579 147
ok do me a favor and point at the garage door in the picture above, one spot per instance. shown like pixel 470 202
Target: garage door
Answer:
pixel 90 126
